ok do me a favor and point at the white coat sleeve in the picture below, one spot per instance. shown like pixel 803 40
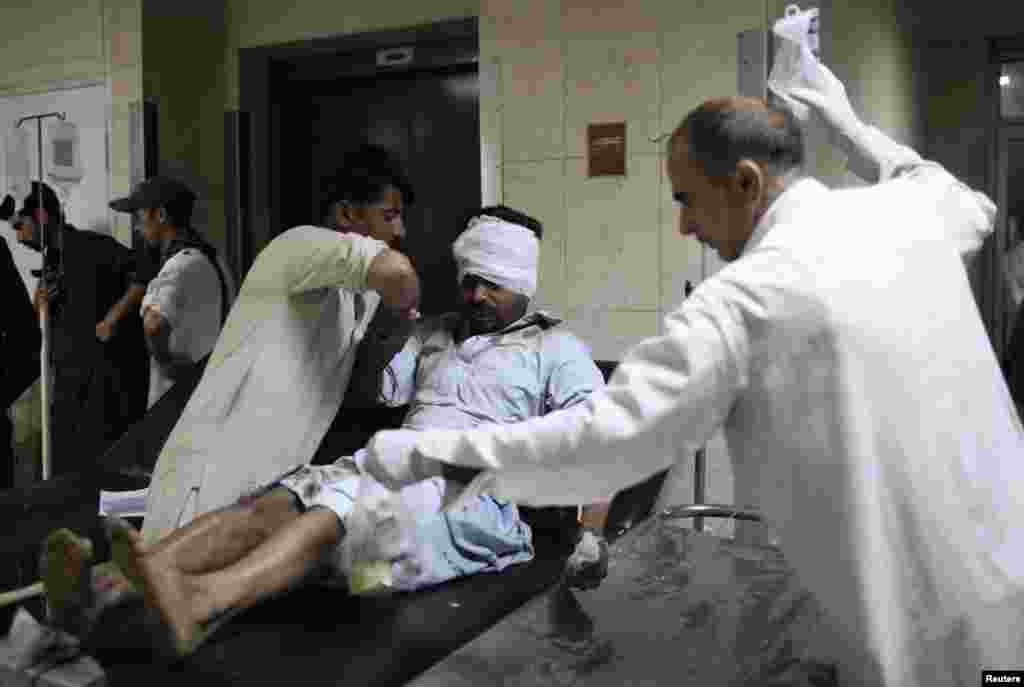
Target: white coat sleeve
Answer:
pixel 668 394
pixel 966 216
pixel 308 258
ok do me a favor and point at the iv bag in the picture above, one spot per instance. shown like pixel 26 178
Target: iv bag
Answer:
pixel 64 163
pixel 16 163
pixel 796 48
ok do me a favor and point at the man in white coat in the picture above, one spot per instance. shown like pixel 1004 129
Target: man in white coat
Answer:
pixel 842 352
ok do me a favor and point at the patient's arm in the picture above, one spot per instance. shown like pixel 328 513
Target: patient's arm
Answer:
pixel 573 378
pixel 385 362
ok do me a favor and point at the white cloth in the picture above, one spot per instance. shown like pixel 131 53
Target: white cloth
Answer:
pixel 865 412
pixel 187 292
pixel 498 251
pixel 795 64
pixel 275 380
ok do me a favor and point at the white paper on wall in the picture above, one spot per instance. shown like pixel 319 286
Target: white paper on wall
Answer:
pixel 64 161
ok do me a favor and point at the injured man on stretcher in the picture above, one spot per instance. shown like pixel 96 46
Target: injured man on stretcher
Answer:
pixel 490 362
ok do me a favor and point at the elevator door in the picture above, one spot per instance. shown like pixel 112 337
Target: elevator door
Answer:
pixel 429 119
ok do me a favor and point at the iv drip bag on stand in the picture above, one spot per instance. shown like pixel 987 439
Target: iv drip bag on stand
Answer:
pixel 64 163
pixel 16 163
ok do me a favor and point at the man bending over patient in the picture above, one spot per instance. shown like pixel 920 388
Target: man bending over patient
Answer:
pixel 491 362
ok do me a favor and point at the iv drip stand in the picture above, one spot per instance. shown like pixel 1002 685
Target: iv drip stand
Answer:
pixel 44 317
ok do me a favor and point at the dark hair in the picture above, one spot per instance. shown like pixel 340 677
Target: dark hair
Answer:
pixel 179 213
pixel 723 131
pixel 509 215
pixel 365 172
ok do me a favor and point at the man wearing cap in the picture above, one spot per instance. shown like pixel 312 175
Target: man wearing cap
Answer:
pixel 491 362
pixel 98 384
pixel 186 304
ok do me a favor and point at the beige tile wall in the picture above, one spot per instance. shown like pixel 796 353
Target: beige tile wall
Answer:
pixel 190 88
pixel 43 44
pixel 567 64
pixel 122 21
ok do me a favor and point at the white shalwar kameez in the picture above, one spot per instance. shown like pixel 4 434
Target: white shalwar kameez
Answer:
pixel 845 358
pixel 275 379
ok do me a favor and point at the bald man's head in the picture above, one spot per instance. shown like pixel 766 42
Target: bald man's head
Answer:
pixel 723 131
pixel 727 162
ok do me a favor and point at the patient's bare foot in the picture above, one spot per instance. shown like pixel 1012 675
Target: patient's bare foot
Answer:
pixel 175 596
pixel 65 570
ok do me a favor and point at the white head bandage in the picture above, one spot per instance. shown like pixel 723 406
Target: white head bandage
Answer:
pixel 500 252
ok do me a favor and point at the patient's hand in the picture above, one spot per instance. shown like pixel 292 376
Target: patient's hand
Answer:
pixel 588 565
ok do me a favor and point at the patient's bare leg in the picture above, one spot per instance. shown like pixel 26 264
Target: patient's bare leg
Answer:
pixel 187 601
pixel 219 538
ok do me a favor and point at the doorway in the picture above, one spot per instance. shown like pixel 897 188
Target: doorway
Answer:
pixel 1008 73
pixel 429 119
pixel 308 104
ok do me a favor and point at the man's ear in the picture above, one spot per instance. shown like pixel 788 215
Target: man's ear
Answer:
pixel 42 217
pixel 749 182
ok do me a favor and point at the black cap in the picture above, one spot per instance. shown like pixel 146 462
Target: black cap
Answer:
pixel 156 192
pixel 50 201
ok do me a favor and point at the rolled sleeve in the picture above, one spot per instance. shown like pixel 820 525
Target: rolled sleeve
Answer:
pixel 967 216
pixel 166 291
pixel 573 376
pixel 308 258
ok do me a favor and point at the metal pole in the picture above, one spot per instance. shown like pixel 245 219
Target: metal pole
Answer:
pixel 44 311
pixel 699 479
pixel 44 314
pixel 699 464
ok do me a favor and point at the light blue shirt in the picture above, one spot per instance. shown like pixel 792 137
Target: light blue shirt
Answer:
pixel 526 370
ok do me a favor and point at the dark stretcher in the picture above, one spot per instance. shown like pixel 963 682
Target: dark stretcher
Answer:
pixel 313 635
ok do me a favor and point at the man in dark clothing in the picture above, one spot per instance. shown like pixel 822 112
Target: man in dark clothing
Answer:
pixel 99 381
pixel 20 340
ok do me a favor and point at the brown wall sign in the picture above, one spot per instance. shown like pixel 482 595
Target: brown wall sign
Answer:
pixel 606 149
